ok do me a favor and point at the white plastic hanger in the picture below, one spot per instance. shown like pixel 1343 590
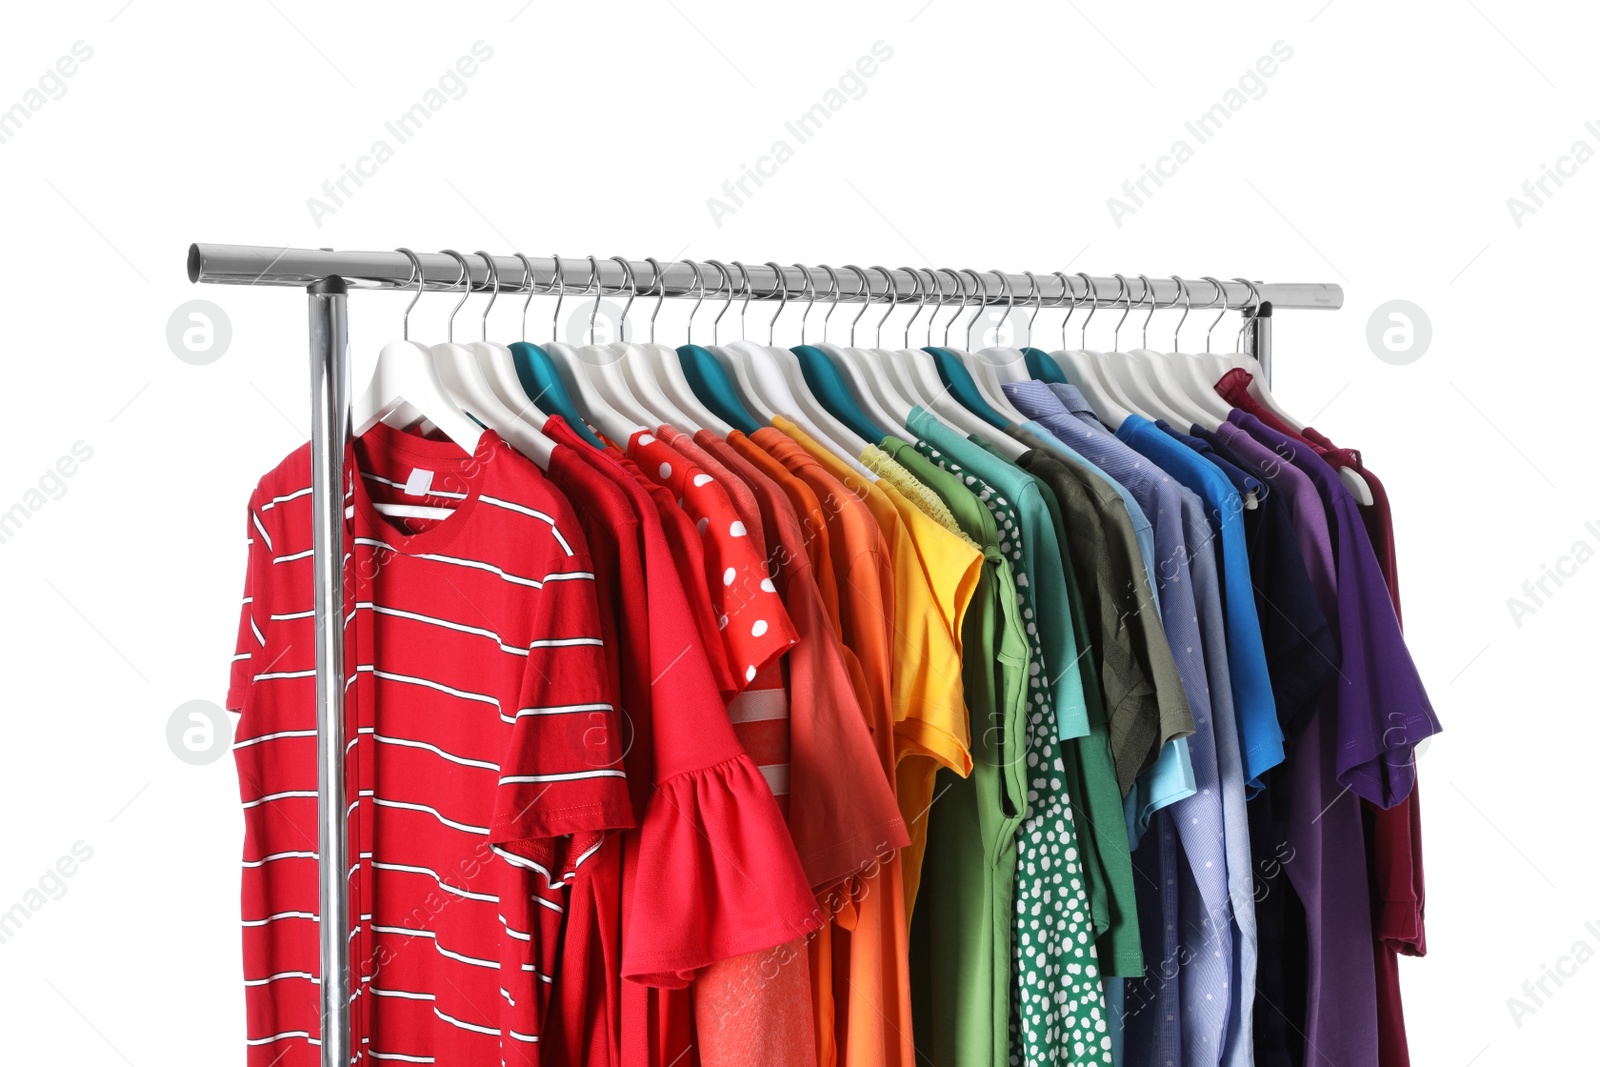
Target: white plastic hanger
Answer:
pixel 1082 370
pixel 603 362
pixel 405 378
pixel 854 366
pixel 765 394
pixel 842 441
pixel 987 365
pixel 498 364
pixel 463 376
pixel 575 375
pixel 637 364
pixel 946 406
pixel 662 363
pixel 1188 374
pixel 754 399
pixel 877 363
pixel 1148 381
pixel 909 368
pixel 777 368
pixel 1116 374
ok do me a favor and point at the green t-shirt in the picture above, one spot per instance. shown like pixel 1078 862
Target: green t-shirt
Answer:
pixel 961 929
pixel 1058 1012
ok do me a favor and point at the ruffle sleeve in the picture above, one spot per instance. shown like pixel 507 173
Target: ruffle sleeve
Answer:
pixel 718 875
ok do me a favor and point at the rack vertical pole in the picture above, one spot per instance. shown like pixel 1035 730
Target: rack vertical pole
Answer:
pixel 1258 338
pixel 330 431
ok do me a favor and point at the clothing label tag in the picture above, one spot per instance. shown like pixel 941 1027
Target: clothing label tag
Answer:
pixel 419 483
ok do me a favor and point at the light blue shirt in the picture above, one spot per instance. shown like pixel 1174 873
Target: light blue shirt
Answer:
pixel 1260 736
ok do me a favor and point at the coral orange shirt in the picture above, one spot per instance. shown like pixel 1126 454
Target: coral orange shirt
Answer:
pixel 935 573
pixel 866 1021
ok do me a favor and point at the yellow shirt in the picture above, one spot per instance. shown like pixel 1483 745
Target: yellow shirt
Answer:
pixel 935 574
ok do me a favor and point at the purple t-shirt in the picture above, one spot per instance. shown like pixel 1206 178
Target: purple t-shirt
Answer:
pixel 1384 712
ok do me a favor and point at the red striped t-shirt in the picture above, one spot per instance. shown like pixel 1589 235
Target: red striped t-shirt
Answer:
pixel 482 759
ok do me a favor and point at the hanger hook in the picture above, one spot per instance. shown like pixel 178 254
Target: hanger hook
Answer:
pixel 1183 288
pixel 811 297
pixel 1149 290
pixel 466 281
pixel 981 292
pixel 866 299
pixel 961 292
pixel 1222 299
pixel 494 294
pixel 1038 302
pixel 527 283
pixel 1066 294
pixel 416 272
pixel 1255 296
pixel 727 276
pixel 922 298
pixel 592 285
pixel 633 291
pixel 1116 333
pixel 1011 297
pixel 744 277
pixel 700 288
pixel 783 300
pixel 558 286
pixel 1091 294
pixel 833 292
pixel 892 291
pixel 659 281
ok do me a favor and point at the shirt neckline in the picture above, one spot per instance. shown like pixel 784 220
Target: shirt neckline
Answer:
pixel 435 455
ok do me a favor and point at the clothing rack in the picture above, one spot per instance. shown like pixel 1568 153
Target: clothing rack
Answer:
pixel 328 276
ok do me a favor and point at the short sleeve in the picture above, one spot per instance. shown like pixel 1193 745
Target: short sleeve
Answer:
pixel 717 872
pixel 562 770
pixel 252 636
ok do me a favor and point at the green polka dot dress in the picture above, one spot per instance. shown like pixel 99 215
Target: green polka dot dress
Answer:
pixel 1058 1013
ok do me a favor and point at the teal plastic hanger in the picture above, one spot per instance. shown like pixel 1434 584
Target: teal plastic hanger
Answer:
pixel 963 388
pixel 715 389
pixel 1042 367
pixel 827 385
pixel 542 382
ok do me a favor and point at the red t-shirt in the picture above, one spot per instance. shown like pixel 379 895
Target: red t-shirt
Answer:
pixel 482 760
pixel 710 872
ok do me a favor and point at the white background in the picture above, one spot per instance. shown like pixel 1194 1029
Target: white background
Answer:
pixel 1380 157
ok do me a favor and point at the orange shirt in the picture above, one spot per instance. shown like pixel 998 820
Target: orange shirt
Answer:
pixel 867 1020
pixel 935 573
